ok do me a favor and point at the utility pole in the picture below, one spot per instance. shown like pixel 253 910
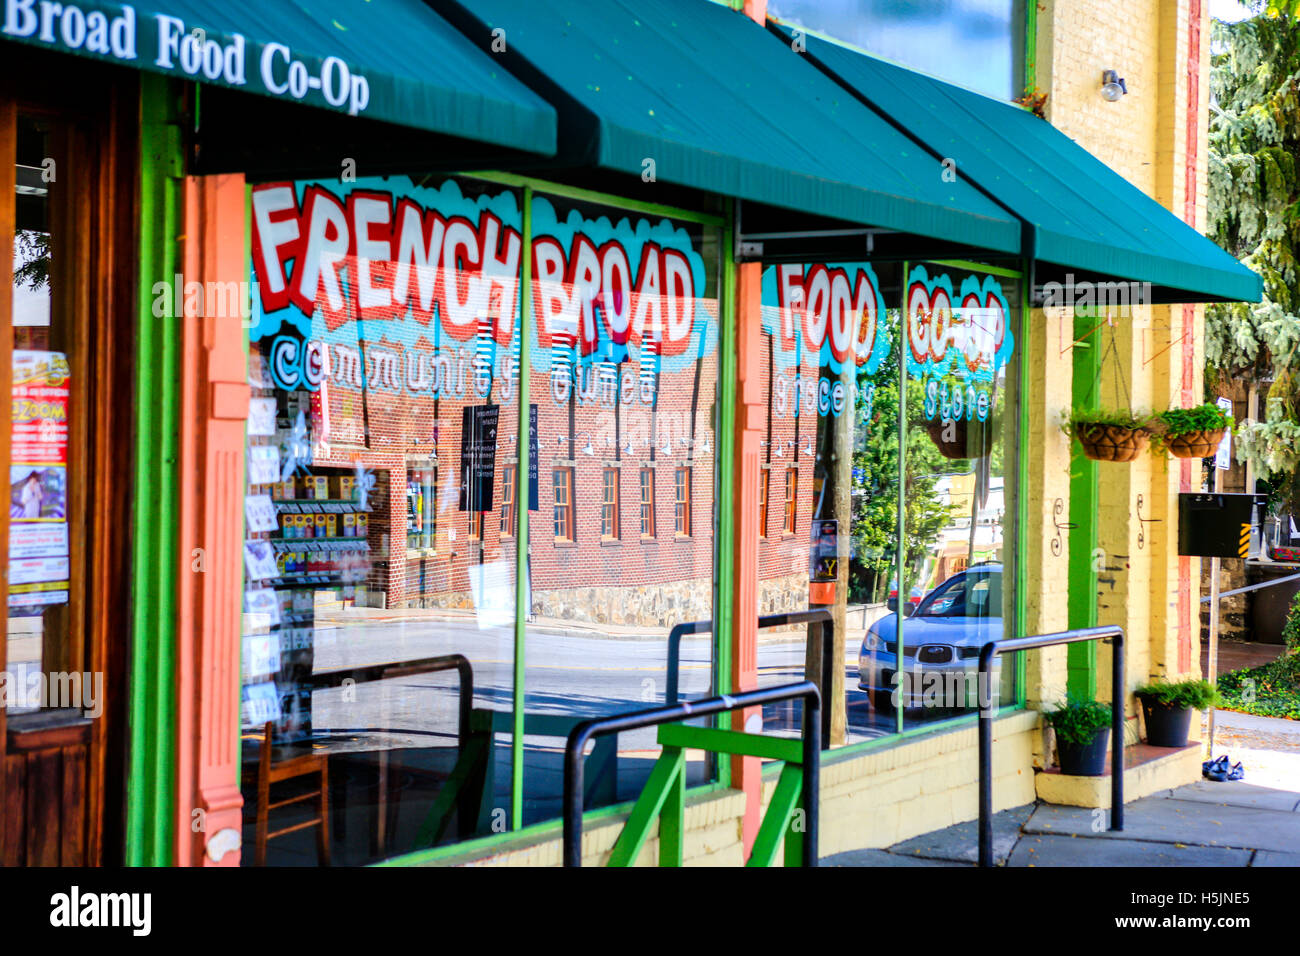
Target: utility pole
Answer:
pixel 1222 459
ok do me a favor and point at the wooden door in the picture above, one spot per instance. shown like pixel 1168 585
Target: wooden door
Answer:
pixel 67 307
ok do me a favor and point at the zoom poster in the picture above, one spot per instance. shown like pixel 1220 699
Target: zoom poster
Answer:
pixel 38 480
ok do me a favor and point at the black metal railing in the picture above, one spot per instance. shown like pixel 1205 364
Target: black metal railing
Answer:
pixel 821 616
pixel 988 710
pixel 635 720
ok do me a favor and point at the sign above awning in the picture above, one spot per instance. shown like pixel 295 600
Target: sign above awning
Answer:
pixel 395 61
pixel 1089 223
pixel 692 93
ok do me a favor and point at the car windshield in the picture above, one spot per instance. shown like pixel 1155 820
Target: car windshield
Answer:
pixel 965 595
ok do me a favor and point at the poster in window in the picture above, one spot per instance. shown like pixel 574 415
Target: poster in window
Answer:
pixel 38 479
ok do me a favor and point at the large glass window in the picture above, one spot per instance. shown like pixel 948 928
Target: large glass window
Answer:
pixel 385 355
pixel 624 374
pixel 44 635
pixel 840 340
pixel 383 359
pixel 975 43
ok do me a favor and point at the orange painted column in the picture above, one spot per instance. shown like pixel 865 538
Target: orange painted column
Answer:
pixel 750 412
pixel 746 772
pixel 214 408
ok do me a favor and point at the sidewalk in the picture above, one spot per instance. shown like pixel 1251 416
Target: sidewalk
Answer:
pixel 1254 822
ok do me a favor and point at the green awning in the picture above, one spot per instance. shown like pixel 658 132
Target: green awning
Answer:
pixel 1085 216
pixel 396 61
pixel 707 96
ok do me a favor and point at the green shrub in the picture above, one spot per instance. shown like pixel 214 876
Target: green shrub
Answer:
pixel 1291 630
pixel 1270 690
pixel 1191 694
pixel 1078 720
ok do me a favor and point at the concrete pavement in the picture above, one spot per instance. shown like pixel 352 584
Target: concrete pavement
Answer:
pixel 1253 822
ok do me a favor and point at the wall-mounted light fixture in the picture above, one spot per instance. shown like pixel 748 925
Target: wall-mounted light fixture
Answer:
pixel 1112 86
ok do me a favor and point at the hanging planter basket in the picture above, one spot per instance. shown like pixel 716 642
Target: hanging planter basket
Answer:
pixel 1119 443
pixel 960 438
pixel 1197 444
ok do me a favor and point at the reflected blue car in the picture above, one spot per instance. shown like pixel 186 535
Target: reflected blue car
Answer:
pixel 942 637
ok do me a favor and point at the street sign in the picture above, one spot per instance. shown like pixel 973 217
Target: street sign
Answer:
pixel 478 456
pixel 532 458
pixel 1223 457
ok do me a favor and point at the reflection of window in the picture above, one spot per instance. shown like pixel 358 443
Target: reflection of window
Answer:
pixel 476 525
pixel 508 501
pixel 421 507
pixel 763 477
pixel 791 496
pixel 609 505
pixel 682 501
pixel 563 478
pixel 647 503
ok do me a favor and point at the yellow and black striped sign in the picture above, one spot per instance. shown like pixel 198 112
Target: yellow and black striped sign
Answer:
pixel 1243 548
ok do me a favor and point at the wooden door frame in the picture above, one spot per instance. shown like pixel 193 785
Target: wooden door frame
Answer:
pixel 102 105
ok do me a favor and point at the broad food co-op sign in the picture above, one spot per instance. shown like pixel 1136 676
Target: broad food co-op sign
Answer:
pixel 167 44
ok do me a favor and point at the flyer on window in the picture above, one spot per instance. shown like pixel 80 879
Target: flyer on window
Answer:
pixel 38 479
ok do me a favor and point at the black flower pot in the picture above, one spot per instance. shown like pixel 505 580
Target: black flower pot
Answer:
pixel 1166 726
pixel 1084 760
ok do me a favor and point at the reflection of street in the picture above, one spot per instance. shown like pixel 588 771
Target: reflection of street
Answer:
pixel 579 672
pixel 781 661
pixel 571 674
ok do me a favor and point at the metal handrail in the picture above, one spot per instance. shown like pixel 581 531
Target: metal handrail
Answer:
pixel 984 689
pixel 635 720
pixel 424 665
pixel 702 627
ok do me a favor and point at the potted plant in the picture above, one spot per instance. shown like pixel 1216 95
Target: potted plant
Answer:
pixel 1167 708
pixel 1192 432
pixel 1108 434
pixel 1082 732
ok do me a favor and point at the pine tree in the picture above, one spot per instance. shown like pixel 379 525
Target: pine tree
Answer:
pixel 1254 213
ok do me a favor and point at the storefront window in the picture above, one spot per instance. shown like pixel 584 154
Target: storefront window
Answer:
pixel 43 633
pixel 383 357
pixel 624 373
pixel 835 407
pixel 974 43
pixel 960 337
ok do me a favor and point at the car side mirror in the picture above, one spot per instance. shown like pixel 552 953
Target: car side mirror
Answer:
pixel 891 604
pixel 909 609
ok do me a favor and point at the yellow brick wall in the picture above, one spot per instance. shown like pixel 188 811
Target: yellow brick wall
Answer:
pixel 1143 136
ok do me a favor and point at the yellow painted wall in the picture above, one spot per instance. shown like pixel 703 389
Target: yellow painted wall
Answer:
pixel 1143 136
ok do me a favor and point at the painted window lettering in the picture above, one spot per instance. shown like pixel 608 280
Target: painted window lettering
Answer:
pixel 825 316
pixel 418 289
pixel 958 350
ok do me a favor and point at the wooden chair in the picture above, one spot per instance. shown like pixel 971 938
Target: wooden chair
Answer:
pixel 271 772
